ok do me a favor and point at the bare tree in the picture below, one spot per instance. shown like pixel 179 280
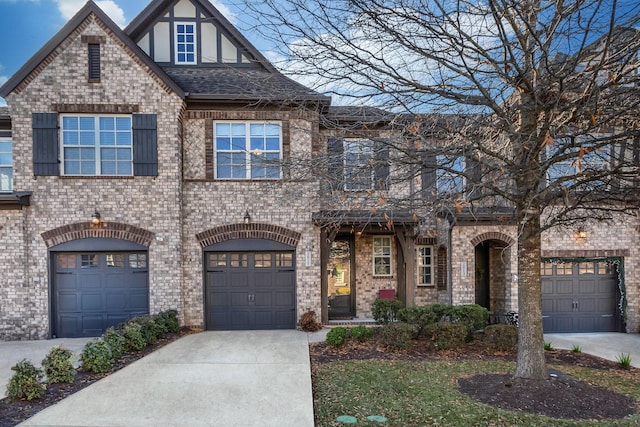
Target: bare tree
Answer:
pixel 539 97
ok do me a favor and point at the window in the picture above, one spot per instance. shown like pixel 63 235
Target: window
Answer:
pixel 97 145
pixel 585 160
pixel 449 178
pixel 358 165
pixel 425 266
pixel 115 260
pixel 382 256
pixel 250 150
pixel 94 62
pixel 185 43
pixel 138 260
pixel 6 165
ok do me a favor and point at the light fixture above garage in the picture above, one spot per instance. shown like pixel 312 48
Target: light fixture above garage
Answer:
pixel 581 233
pixel 96 220
pixel 247 217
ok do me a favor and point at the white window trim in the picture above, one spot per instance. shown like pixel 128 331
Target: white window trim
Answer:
pixel 363 143
pixel 9 166
pixel 247 152
pixel 390 256
pixel 97 146
pixel 419 266
pixel 175 43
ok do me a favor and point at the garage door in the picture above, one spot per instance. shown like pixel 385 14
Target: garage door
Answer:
pixel 250 290
pixel 95 290
pixel 579 297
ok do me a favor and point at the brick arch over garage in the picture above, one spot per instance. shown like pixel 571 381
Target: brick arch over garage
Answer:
pixel 107 230
pixel 248 231
pixel 494 235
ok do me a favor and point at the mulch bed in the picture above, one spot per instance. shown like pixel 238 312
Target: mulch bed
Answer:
pixel 13 412
pixel 557 397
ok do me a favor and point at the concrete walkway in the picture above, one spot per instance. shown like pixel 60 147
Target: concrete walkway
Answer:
pixel 243 378
pixel 608 345
pixel 11 352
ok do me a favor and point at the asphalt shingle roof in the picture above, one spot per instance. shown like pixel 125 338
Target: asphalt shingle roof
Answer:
pixel 240 83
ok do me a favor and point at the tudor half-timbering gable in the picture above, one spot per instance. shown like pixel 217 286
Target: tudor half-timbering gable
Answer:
pixel 189 33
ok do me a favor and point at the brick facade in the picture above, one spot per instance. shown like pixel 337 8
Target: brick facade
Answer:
pixel 184 209
pixel 139 209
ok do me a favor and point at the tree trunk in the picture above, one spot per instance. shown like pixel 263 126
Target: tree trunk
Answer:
pixel 530 362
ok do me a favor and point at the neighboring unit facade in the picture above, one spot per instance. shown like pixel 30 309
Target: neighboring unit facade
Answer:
pixel 165 166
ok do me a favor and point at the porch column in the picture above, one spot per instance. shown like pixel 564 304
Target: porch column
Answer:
pixel 326 239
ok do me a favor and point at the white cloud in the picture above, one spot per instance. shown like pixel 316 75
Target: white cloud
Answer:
pixel 232 17
pixel 68 8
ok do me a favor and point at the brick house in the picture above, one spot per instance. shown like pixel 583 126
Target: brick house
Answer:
pixel 156 167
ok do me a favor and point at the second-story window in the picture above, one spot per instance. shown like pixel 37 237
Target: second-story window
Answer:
pixel 579 160
pixel 248 150
pixel 96 145
pixel 358 165
pixel 6 165
pixel 185 43
pixel 449 174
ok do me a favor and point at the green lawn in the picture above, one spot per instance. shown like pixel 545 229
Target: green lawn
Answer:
pixel 425 394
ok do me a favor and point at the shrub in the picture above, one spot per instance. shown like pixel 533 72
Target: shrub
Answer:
pixel 160 324
pixel 472 316
pixel 576 348
pixel 336 336
pixel 502 337
pixel 150 331
pixel 419 317
pixel 96 356
pixel 446 335
pixel 309 322
pixel 170 320
pixel 134 339
pixel 26 382
pixel 58 366
pixel 397 336
pixel 116 342
pixel 361 332
pixel 385 310
pixel 548 346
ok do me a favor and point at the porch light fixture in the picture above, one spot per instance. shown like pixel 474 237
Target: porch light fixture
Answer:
pixel 247 217
pixel 582 233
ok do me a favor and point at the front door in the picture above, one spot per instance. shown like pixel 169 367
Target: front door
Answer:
pixel 341 271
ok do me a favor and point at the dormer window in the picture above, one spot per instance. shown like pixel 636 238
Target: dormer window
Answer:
pixel 185 43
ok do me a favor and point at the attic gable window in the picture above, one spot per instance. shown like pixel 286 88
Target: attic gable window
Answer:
pixel 185 43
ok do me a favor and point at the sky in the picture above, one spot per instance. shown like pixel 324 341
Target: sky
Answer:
pixel 26 25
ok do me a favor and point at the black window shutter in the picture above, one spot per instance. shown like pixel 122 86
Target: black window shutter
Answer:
pixel 381 166
pixel 335 163
pixel 428 175
pixel 45 144
pixel 442 269
pixel 94 62
pixel 145 145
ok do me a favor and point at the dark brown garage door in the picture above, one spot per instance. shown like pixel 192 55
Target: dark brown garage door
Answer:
pixel 250 290
pixel 579 297
pixel 95 290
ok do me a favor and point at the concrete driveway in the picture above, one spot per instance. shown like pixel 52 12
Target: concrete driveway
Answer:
pixel 243 378
pixel 11 352
pixel 606 345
